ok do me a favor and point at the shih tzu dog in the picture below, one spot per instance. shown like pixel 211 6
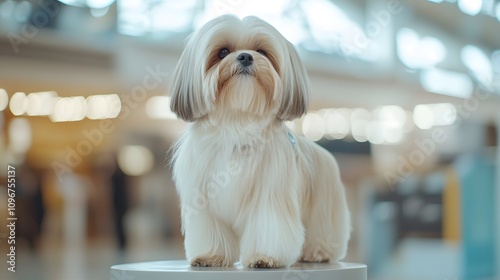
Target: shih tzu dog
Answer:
pixel 251 189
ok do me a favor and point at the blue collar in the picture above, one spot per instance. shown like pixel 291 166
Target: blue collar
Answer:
pixel 292 139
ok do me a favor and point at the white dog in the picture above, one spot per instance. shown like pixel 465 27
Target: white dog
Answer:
pixel 251 189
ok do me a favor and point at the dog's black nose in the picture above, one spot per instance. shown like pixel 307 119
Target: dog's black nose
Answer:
pixel 245 59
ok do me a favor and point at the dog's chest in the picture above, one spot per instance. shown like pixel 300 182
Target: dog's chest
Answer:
pixel 231 171
pixel 232 176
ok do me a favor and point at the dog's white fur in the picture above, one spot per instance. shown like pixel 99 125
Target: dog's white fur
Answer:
pixel 249 187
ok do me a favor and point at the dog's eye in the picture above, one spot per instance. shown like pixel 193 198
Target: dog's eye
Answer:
pixel 223 53
pixel 262 52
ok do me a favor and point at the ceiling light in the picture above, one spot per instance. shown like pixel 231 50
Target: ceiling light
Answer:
pixel 426 116
pixel 68 109
pixel 337 124
pixel 423 117
pixel 41 103
pixel 419 53
pixel 4 99
pixel 313 126
pixel 470 7
pixel 105 106
pixel 478 63
pixel 18 103
pixel 391 116
pixel 446 82
pixel 99 4
pixel 497 11
pixel 359 129
pixel 158 107
pixel 393 135
pixel 374 133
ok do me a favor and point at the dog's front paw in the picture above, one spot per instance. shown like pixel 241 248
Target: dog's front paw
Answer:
pixel 263 262
pixel 213 260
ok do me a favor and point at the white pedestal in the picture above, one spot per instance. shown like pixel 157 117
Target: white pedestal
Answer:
pixel 180 270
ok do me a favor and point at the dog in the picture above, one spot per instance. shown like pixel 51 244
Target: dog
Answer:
pixel 251 190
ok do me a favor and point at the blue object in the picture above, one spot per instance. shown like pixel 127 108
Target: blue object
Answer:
pixel 479 218
pixel 292 139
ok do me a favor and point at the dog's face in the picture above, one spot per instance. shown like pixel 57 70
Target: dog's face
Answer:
pixel 243 66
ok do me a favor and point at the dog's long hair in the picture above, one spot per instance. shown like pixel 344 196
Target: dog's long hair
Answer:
pixel 248 186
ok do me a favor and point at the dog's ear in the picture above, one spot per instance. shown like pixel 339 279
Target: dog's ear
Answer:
pixel 295 96
pixel 187 95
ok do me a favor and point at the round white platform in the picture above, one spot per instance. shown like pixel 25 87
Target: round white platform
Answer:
pixel 180 270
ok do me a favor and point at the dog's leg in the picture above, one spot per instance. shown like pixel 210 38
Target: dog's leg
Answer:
pixel 209 241
pixel 327 219
pixel 273 234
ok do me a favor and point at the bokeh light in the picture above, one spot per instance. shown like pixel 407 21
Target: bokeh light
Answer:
pixel 158 107
pixel 20 136
pixel 470 7
pixel 135 160
pixel 4 99
pixel 18 103
pixel 41 103
pixel 106 106
pixel 313 126
pixel 69 109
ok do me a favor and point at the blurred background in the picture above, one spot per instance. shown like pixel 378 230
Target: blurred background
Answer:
pixel 406 95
